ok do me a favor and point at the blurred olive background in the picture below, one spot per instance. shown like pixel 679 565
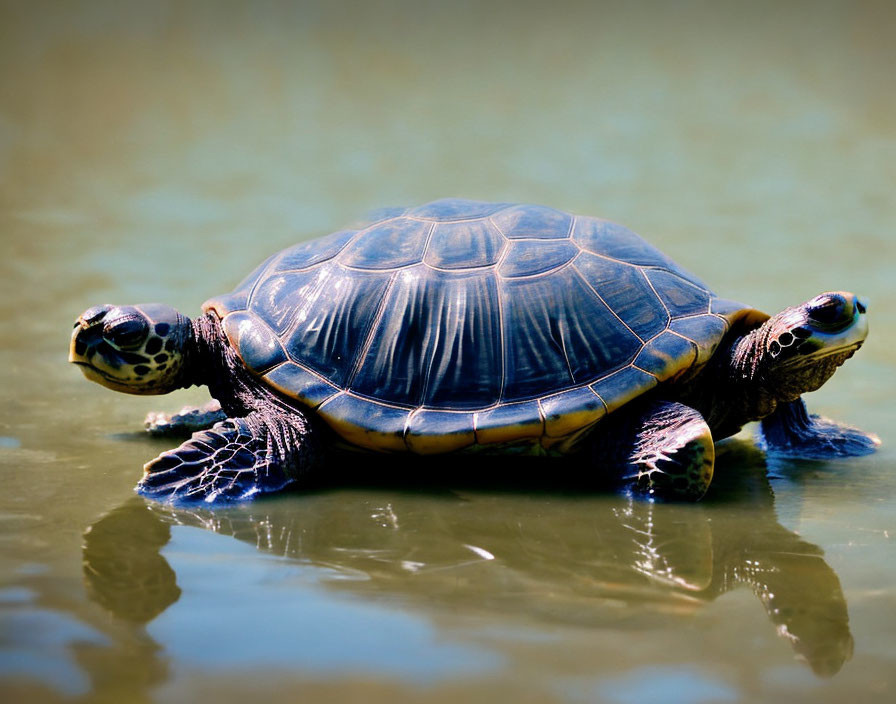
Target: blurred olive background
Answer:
pixel 159 150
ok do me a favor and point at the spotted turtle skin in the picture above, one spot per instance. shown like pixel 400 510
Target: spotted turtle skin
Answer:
pixel 468 326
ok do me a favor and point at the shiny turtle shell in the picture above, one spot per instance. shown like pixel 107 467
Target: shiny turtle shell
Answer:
pixel 462 325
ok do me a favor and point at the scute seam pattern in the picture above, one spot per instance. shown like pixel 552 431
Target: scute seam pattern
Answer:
pixel 432 222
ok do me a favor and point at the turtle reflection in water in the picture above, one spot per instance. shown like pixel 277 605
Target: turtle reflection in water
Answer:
pixel 461 326
pixel 597 562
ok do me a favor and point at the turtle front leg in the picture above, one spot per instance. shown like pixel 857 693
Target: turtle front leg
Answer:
pixel 791 431
pixel 662 449
pixel 236 459
pixel 186 421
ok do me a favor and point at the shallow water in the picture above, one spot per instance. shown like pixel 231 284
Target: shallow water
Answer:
pixel 157 153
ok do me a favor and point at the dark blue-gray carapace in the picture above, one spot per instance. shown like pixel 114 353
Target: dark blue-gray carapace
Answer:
pixel 461 326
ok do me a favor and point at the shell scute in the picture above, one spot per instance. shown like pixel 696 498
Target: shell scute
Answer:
pixel 619 388
pixel 308 254
pixel 280 298
pixel 566 412
pixel 437 432
pixel 459 245
pixel 666 355
pixel 372 426
pixel 610 239
pixel 533 221
pixel 456 209
pixel 258 345
pixel 626 291
pixel 705 331
pixel 509 423
pixel 557 334
pixel 528 258
pixel 388 245
pixel 681 297
pixel 436 342
pixel 331 319
pixel 292 379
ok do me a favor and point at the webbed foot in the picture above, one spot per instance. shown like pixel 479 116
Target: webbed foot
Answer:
pixel 791 431
pixel 186 421
pixel 236 459
pixel 666 451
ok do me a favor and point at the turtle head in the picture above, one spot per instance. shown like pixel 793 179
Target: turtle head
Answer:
pixel 801 347
pixel 133 349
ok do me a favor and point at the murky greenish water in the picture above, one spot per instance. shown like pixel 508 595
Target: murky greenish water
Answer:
pixel 155 151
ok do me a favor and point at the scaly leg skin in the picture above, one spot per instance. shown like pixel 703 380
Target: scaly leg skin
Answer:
pixel 236 459
pixel 792 432
pixel 665 450
pixel 186 421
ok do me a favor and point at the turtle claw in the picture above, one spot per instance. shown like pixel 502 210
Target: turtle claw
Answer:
pixel 231 461
pixel 187 420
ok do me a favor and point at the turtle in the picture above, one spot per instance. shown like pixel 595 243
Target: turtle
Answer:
pixel 460 327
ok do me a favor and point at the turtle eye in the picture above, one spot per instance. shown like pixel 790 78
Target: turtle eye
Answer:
pixel 126 332
pixel 830 310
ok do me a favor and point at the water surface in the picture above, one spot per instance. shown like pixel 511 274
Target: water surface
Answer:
pixel 157 152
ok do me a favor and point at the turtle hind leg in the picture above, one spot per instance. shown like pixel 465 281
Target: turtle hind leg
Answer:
pixel 662 449
pixel 186 421
pixel 234 460
pixel 791 431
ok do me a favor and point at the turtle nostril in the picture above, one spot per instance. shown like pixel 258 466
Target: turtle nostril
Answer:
pixel 861 305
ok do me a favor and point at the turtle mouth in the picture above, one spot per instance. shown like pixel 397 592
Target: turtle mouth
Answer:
pixel 91 372
pixel 809 355
pixel 99 376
